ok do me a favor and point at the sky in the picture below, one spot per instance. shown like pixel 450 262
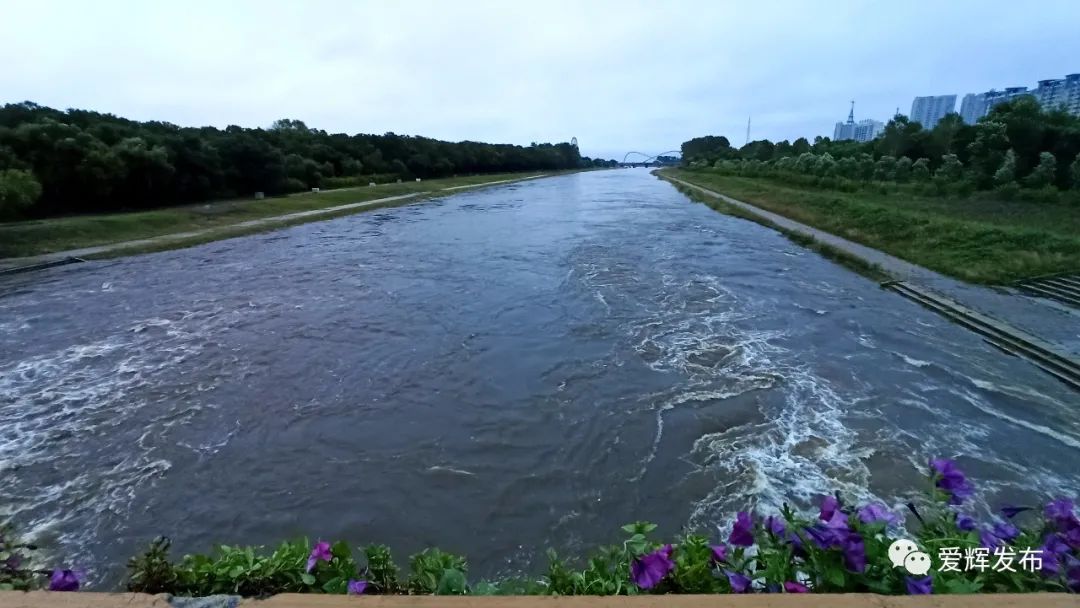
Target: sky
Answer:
pixel 620 76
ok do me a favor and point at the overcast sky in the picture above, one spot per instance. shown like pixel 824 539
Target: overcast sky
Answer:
pixel 619 76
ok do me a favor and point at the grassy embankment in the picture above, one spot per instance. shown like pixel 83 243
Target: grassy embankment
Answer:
pixel 18 239
pixel 978 239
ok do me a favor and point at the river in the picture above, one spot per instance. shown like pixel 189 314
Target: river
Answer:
pixel 495 372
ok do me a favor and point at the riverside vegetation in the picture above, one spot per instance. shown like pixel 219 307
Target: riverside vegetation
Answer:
pixel 990 203
pixel 843 548
pixel 56 162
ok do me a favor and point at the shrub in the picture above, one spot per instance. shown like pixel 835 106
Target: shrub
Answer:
pixel 1044 173
pixel 18 191
pixel 842 548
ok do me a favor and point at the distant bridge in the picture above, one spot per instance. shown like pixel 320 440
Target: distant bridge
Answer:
pixel 641 159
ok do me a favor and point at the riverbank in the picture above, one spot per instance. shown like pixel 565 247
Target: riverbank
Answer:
pixel 106 235
pixel 977 240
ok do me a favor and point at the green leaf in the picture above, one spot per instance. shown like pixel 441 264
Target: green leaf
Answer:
pixel 236 572
pixel 452 582
pixel 307 578
pixel 835 576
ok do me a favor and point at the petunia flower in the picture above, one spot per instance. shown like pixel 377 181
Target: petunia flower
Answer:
pixel 1052 551
pixel 951 480
pixel 1006 531
pixel 829 505
pixel 719 553
pixel 919 586
pixel 320 552
pixel 739 583
pixel 742 531
pixel 775 526
pixel 1072 575
pixel 1059 510
pixel 357 587
pixel 854 553
pixel 965 523
pixel 876 512
pixel 63 580
pixel 793 587
pixel 649 569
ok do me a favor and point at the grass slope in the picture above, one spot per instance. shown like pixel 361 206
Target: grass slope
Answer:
pixel 36 237
pixel 978 239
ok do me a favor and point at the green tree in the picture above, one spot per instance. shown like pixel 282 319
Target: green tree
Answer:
pixel 1006 174
pixel 903 170
pixel 864 167
pixel 987 152
pixel 1074 168
pixel 920 170
pixel 1044 172
pixel 951 168
pixel 885 169
pixel 18 191
pixel 800 146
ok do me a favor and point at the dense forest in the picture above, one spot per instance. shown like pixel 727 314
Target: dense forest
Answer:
pixel 77 161
pixel 1017 146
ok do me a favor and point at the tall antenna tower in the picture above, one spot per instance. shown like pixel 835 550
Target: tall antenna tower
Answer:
pixel 747 130
pixel 851 114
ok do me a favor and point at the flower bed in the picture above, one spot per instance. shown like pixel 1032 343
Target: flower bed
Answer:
pixel 844 549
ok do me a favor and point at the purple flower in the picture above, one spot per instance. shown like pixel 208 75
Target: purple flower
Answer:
pixel 13 561
pixel 1006 531
pixel 965 523
pixel 793 587
pixel 855 553
pixel 649 569
pixel 739 583
pixel 951 480
pixel 742 531
pixel 775 526
pixel 1051 553
pixel 320 552
pixel 1011 512
pixel 719 553
pixel 829 505
pixel 357 587
pixel 876 512
pixel 988 539
pixel 832 533
pixel 63 580
pixel 1059 510
pixel 1001 533
pixel 919 586
pixel 1072 575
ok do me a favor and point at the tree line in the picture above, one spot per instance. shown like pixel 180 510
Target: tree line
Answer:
pixel 1018 145
pixel 78 161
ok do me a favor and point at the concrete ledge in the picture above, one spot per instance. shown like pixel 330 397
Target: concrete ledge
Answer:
pixel 43 599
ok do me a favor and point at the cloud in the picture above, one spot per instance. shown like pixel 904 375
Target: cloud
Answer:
pixel 617 75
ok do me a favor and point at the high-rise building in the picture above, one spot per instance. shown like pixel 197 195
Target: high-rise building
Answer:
pixel 1060 93
pixel 927 111
pixel 868 129
pixel 864 130
pixel 977 105
pixel 845 130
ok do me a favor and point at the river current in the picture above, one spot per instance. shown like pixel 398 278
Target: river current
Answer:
pixel 494 372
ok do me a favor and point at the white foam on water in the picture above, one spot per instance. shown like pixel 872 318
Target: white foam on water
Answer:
pixel 981 404
pixel 66 460
pixel 911 360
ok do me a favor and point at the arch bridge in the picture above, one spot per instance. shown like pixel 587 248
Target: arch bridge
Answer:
pixel 641 159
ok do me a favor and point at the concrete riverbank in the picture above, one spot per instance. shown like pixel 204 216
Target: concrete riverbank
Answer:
pixel 1047 325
